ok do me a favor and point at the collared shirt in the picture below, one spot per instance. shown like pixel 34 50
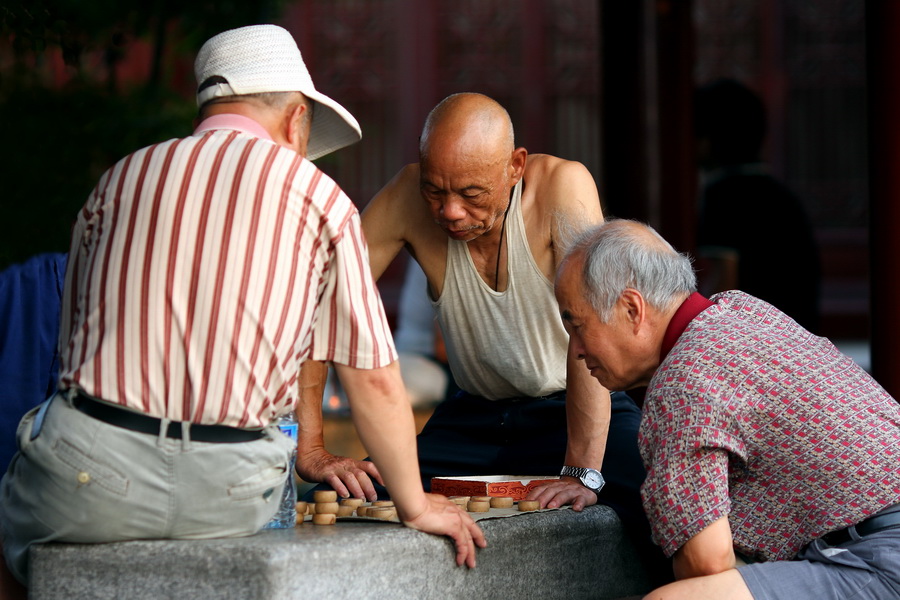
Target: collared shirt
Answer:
pixel 235 122
pixel 690 308
pixel 203 271
pixel 753 418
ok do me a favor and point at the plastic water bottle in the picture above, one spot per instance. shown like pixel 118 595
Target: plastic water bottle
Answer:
pixel 286 517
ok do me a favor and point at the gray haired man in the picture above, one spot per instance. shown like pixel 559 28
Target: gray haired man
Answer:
pixel 771 457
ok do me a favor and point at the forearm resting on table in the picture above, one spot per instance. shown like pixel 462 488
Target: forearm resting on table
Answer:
pixel 587 417
pixel 587 423
pixel 310 437
pixel 383 418
pixel 709 552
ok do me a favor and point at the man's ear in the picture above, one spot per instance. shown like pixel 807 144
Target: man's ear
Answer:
pixel 517 164
pixel 292 117
pixel 633 307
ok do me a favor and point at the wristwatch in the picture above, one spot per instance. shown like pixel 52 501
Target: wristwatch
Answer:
pixel 590 478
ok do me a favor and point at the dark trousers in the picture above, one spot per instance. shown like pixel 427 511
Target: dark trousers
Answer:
pixel 470 435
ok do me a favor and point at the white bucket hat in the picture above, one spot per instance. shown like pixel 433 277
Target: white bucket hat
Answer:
pixel 265 58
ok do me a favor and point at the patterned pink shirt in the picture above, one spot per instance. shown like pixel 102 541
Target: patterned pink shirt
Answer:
pixel 753 418
pixel 203 271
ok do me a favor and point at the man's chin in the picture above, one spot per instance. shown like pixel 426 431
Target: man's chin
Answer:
pixel 466 235
pixel 609 382
pixel 600 376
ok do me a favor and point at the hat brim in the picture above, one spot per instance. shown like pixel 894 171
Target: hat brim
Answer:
pixel 332 128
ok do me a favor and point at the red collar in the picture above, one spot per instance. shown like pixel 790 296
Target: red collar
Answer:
pixel 690 308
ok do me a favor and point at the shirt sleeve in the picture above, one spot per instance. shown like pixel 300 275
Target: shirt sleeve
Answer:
pixel 684 494
pixel 687 453
pixel 352 327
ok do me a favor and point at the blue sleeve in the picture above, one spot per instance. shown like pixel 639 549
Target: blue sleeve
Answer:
pixel 30 295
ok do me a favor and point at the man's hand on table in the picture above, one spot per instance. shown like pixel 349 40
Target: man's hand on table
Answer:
pixel 567 490
pixel 442 517
pixel 348 477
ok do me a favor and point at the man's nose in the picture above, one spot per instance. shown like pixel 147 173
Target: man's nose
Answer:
pixel 453 210
pixel 576 349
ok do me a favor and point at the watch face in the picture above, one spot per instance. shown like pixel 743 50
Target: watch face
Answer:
pixel 593 480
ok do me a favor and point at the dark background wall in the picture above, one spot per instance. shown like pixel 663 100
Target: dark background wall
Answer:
pixel 604 82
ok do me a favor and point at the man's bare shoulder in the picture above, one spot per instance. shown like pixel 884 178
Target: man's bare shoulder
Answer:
pixel 556 182
pixel 403 187
pixel 398 211
pixel 544 165
pixel 399 217
pixel 397 203
pixel 409 174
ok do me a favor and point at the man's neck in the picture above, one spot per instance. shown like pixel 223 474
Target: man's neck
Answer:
pixel 235 122
pixel 267 118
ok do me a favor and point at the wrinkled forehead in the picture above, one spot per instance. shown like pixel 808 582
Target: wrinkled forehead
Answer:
pixel 471 139
pixel 569 283
pixel 462 165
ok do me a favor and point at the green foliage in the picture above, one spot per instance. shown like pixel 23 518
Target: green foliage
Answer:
pixel 58 144
pixel 57 139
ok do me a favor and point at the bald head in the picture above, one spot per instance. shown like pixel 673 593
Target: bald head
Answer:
pixel 468 167
pixel 622 254
pixel 467 122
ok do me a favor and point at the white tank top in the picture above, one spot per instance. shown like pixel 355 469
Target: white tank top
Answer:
pixel 502 344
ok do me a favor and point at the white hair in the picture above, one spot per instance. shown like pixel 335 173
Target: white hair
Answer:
pixel 617 255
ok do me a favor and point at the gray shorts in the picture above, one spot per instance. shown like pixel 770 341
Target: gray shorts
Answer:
pixel 83 480
pixel 863 569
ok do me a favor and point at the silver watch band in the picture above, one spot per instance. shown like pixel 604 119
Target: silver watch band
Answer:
pixel 578 472
pixel 592 479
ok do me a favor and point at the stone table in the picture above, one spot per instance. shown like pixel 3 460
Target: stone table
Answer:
pixel 547 554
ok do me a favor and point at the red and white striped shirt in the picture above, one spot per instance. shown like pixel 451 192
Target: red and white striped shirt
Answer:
pixel 203 271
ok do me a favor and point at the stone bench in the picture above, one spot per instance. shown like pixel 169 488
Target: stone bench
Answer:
pixel 549 554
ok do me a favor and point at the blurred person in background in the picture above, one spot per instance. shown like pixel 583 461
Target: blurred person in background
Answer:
pixel 754 233
pixel 30 298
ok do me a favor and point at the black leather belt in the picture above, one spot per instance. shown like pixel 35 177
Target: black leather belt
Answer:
pixel 873 524
pixel 133 421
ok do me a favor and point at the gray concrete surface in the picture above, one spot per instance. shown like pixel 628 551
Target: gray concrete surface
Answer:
pixel 554 554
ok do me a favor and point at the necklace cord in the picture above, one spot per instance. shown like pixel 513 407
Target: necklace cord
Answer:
pixel 500 248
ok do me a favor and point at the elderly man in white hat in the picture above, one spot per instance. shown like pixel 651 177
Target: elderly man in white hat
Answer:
pixel 202 273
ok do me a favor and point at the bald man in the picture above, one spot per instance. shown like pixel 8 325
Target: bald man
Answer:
pixel 487 222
